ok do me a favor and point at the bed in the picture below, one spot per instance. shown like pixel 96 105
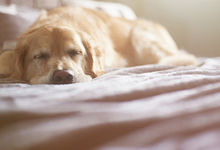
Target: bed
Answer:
pixel 137 108
pixel 144 107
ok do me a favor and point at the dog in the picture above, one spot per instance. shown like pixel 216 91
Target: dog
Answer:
pixel 75 44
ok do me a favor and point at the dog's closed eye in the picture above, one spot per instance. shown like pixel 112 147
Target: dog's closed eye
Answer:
pixel 74 52
pixel 42 56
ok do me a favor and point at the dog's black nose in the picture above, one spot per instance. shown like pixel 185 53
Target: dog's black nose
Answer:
pixel 63 77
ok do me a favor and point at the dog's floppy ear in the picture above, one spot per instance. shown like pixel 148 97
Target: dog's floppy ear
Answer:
pixel 93 64
pixel 18 66
pixel 11 66
pixel 7 63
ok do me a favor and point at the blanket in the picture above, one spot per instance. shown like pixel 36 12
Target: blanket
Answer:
pixel 137 108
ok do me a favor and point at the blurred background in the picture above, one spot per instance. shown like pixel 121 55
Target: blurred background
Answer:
pixel 194 24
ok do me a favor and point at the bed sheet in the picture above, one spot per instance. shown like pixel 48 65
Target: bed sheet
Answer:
pixel 137 108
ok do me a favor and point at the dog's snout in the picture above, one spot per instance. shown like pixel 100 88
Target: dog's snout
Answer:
pixel 63 77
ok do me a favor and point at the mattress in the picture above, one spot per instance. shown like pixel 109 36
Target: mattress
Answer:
pixel 137 108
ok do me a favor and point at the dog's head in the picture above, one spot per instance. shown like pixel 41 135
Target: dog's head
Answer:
pixel 56 55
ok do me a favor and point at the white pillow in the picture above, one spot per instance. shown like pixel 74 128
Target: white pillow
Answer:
pixel 113 9
pixel 14 20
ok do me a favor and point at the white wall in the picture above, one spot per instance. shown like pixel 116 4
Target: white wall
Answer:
pixel 194 24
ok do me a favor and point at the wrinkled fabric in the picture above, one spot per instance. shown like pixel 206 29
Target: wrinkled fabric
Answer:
pixel 138 108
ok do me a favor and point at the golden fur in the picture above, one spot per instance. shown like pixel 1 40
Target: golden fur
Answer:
pixel 86 42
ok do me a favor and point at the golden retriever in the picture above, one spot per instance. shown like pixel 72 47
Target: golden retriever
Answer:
pixel 74 44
